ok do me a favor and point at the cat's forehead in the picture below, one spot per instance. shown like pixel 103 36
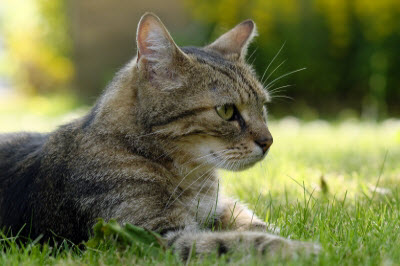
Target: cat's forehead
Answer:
pixel 208 56
pixel 233 70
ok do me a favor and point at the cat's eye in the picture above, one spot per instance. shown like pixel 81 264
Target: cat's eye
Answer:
pixel 226 111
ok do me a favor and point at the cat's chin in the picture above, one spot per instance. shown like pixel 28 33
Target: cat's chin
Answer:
pixel 243 168
pixel 244 164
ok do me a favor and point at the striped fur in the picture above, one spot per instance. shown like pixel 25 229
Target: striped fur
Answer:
pixel 147 152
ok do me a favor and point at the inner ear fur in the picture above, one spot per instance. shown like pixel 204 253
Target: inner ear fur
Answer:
pixel 158 55
pixel 235 42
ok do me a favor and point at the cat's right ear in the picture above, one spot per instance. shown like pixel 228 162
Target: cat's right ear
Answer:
pixel 235 42
pixel 158 54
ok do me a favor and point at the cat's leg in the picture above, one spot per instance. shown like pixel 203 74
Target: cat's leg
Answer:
pixel 236 216
pixel 188 242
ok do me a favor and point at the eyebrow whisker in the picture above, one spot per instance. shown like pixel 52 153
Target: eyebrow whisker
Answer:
pixel 274 70
pixel 273 59
pixel 279 88
pixel 282 76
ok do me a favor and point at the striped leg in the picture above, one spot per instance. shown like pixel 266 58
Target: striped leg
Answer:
pixel 236 216
pixel 186 242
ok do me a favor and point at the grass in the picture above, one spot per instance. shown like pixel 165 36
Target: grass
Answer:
pixel 332 183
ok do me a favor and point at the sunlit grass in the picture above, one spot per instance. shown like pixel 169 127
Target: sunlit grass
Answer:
pixel 348 156
pixel 337 184
pixel 332 183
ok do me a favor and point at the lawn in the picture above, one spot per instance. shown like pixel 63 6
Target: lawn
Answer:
pixel 334 183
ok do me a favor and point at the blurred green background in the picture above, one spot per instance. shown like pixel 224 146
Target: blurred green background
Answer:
pixel 336 130
pixel 57 55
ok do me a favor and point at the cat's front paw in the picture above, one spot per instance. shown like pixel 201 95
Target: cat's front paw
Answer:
pixel 273 229
pixel 257 226
pixel 287 248
pixel 305 248
pixel 263 227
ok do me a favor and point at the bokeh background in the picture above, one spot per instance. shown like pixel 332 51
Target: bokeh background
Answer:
pixel 333 173
pixel 58 55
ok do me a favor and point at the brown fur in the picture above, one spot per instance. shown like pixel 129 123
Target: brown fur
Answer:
pixel 147 152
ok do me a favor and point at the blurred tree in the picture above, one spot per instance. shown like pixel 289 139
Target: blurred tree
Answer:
pixel 350 48
pixel 103 37
pixel 37 45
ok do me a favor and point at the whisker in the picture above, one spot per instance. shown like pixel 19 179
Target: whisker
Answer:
pixel 276 93
pixel 281 87
pixel 205 193
pixel 282 100
pixel 208 171
pixel 252 54
pixel 168 152
pixel 282 96
pixel 188 175
pixel 205 156
pixel 273 59
pixel 173 192
pixel 229 168
pixel 274 70
pixel 201 188
pixel 252 62
pixel 278 89
pixel 210 186
pixel 284 75
pixel 221 165
pixel 187 189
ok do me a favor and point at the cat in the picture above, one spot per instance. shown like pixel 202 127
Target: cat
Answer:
pixel 147 152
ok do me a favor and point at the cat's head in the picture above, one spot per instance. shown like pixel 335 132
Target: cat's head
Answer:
pixel 205 103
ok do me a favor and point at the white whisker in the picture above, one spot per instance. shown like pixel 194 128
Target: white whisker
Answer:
pixel 278 89
pixel 252 54
pixel 282 76
pixel 282 96
pixel 274 70
pixel 273 59
pixel 229 168
pixel 208 171
pixel 204 156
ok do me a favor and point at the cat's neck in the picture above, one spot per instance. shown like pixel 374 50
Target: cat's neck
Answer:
pixel 192 175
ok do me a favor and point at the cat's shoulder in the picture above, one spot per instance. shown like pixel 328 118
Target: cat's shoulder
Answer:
pixel 29 140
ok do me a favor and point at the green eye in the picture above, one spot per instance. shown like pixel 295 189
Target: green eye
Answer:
pixel 225 111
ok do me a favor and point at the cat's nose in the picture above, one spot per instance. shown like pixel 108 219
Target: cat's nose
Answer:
pixel 264 142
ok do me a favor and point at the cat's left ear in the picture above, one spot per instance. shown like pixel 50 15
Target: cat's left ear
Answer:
pixel 234 43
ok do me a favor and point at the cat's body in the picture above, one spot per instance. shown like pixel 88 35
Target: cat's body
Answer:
pixel 147 152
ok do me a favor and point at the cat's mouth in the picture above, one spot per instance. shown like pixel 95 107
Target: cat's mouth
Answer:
pixel 266 153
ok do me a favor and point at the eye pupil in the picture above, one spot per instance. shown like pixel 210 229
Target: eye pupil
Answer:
pixel 226 111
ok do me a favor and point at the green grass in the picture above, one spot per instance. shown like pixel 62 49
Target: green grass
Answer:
pixel 332 183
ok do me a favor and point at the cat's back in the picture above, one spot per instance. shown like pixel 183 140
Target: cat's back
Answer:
pixel 16 147
pixel 18 153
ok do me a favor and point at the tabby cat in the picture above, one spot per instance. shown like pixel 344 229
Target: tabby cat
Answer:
pixel 147 152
